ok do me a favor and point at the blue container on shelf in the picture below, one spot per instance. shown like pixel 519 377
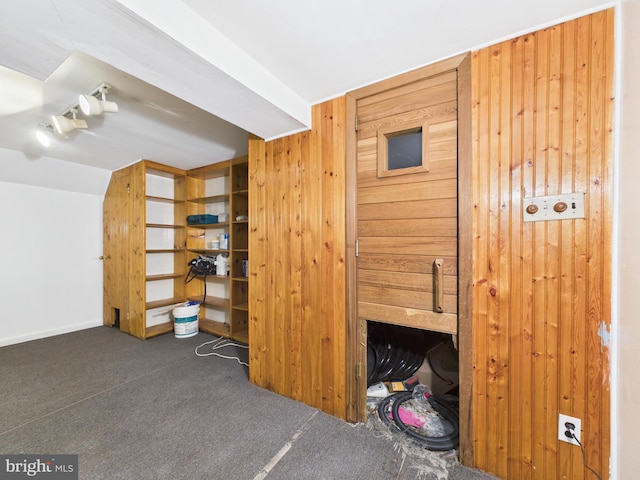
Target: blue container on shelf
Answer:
pixel 203 219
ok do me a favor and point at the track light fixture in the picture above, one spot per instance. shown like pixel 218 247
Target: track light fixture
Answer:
pixel 63 124
pixel 91 105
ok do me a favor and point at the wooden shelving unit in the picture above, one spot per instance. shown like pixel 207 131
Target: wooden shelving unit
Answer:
pixel 154 201
pixel 164 262
pixel 216 189
pixel 239 244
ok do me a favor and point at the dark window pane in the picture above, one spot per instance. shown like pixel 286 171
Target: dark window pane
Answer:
pixel 404 150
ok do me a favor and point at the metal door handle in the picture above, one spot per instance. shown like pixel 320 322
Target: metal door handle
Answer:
pixel 104 257
pixel 438 291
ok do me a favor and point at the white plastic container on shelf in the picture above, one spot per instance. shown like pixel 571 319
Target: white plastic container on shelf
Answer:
pixel 222 265
pixel 224 241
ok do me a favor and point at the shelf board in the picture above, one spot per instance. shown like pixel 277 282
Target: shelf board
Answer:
pixel 210 199
pixel 243 192
pixel 242 306
pixel 241 336
pixel 212 302
pixel 240 279
pixel 153 198
pixel 241 250
pixel 213 277
pixel 214 328
pixel 163 225
pixel 214 251
pixel 208 251
pixel 165 250
pixel 159 329
pixel 163 276
pixel 165 302
pixel 239 222
pixel 160 170
pixel 209 225
pixel 216 170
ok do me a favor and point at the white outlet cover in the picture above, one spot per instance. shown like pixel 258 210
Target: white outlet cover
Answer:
pixel 562 419
pixel 544 207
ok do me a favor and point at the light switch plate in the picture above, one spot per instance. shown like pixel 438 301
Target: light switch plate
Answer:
pixel 566 206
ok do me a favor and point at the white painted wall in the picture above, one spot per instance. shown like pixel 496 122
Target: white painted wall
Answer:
pixel 626 380
pixel 50 241
pixel 16 167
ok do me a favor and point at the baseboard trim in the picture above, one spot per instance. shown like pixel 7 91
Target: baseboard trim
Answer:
pixel 49 333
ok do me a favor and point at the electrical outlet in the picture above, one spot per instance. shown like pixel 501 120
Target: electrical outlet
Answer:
pixel 568 425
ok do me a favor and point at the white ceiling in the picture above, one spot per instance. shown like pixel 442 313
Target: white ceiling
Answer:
pixel 192 77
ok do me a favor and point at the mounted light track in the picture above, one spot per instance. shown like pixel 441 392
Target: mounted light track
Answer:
pixel 90 104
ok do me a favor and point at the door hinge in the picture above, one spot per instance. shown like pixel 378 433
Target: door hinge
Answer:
pixel 356 123
pixel 357 247
pixel 358 368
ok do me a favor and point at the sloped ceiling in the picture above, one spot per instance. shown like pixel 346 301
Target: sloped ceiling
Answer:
pixel 192 77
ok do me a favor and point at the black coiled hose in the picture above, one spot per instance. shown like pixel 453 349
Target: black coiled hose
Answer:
pixel 389 413
pixel 393 353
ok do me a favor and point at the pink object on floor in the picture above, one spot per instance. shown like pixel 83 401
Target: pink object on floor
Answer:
pixel 410 418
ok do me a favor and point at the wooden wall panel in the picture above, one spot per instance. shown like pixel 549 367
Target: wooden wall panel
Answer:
pixel 297 328
pixel 116 251
pixel 542 123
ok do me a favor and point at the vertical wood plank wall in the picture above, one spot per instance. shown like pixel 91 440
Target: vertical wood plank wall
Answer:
pixel 542 123
pixel 297 327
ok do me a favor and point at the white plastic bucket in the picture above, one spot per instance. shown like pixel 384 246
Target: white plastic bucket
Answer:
pixel 185 320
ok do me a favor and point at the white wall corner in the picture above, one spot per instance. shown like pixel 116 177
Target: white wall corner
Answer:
pixel 625 388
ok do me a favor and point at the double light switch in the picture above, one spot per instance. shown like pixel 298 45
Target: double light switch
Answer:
pixel 553 207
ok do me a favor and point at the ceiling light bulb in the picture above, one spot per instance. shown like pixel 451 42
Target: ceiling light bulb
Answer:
pixel 90 105
pixel 62 125
pixel 43 138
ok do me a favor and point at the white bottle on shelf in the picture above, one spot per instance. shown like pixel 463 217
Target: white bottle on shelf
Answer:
pixel 224 241
pixel 221 265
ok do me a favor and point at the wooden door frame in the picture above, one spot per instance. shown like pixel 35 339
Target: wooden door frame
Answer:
pixel 357 328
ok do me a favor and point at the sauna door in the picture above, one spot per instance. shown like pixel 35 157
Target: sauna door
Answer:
pixel 407 249
pixel 409 233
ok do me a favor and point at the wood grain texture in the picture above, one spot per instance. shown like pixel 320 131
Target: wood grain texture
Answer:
pixel 542 122
pixel 297 328
pixel 116 250
pixel 465 259
pixel 137 255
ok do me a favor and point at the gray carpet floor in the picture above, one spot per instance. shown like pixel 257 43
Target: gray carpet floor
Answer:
pixel 152 409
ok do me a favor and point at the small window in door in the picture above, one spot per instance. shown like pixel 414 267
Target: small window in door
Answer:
pixel 402 149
